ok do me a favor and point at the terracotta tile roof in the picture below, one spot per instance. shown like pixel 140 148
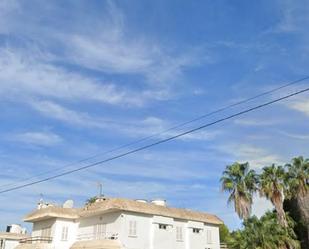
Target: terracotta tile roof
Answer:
pixel 52 212
pixel 108 205
pixel 118 204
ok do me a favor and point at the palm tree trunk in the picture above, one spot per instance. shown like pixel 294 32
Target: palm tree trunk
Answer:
pixel 303 206
pixel 280 212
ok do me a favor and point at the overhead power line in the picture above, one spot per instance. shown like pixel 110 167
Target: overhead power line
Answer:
pixel 224 108
pixel 158 142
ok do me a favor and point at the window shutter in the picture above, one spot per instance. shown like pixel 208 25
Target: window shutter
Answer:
pixel 132 228
pixel 209 237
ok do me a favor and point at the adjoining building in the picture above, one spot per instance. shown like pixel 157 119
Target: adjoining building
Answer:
pixel 11 238
pixel 114 223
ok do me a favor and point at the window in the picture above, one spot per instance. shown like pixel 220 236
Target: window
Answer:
pixel 99 231
pixel 64 234
pixel 179 234
pixel 209 237
pixel 163 226
pixel 46 232
pixel 132 228
pixel 197 230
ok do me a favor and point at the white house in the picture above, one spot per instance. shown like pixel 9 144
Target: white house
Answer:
pixel 10 239
pixel 113 223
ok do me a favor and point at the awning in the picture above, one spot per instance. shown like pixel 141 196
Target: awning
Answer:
pixel 96 244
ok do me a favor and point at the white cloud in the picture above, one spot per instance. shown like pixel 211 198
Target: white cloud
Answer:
pixel 37 138
pixel 257 157
pixel 111 47
pixel 148 126
pixel 295 135
pixel 114 49
pixel 300 105
pixel 25 75
pixel 59 112
pixel 255 122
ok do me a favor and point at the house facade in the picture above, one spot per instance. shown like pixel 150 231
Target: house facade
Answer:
pixel 11 237
pixel 113 223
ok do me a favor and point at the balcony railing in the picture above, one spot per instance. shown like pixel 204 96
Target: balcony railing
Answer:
pixel 93 236
pixel 36 239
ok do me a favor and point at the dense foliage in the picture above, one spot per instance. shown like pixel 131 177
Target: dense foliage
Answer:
pixel 91 200
pixel 278 184
pixel 224 233
pixel 264 233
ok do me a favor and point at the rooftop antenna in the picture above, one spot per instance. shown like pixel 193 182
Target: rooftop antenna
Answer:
pixel 100 188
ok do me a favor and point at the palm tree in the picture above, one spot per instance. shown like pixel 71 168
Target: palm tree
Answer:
pixel 298 176
pixel 272 186
pixel 298 186
pixel 241 183
pixel 91 200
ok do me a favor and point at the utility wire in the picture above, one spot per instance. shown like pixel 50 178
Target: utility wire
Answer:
pixel 158 142
pixel 224 108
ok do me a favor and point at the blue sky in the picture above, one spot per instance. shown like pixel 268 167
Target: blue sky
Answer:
pixel 78 78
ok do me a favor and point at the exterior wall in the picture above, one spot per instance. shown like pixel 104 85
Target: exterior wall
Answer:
pixel 163 238
pixel 40 225
pixel 72 227
pixel 215 238
pixel 149 236
pixel 181 244
pixel 147 233
pixel 10 244
pixel 196 240
pixel 111 220
pixel 142 240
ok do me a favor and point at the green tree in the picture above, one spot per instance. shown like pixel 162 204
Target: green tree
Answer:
pixel 240 182
pixel 272 186
pixel 224 233
pixel 264 233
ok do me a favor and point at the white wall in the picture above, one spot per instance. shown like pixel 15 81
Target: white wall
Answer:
pixel 86 224
pixel 10 244
pixel 163 239
pixel 215 236
pixel 178 243
pixel 72 227
pixel 142 240
pixel 39 225
pixel 148 234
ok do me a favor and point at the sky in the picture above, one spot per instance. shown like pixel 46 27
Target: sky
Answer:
pixel 79 78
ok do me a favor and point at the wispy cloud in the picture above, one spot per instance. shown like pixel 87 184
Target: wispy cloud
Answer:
pixel 36 138
pixel 295 135
pixel 294 16
pixel 25 75
pixel 257 157
pixel 301 105
pixel 110 49
pixel 255 122
pixel 115 50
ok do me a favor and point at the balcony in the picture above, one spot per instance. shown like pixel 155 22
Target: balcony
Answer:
pixel 35 240
pixel 101 236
